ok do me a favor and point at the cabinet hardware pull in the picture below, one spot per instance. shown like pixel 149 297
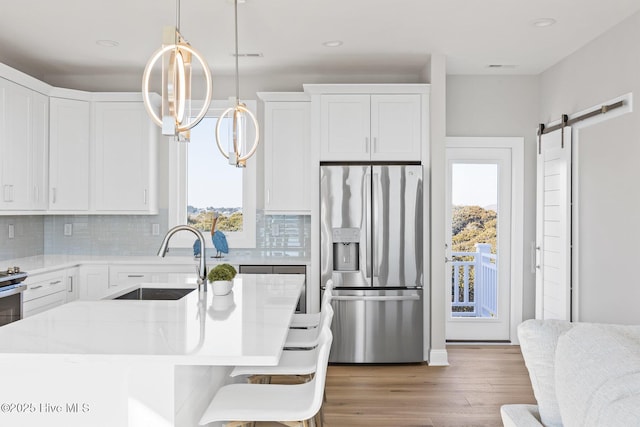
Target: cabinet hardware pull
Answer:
pixel 375 145
pixel 145 196
pixel 269 196
pixel 55 193
pixel 135 275
pixel 35 287
pixel 70 284
pixel 56 282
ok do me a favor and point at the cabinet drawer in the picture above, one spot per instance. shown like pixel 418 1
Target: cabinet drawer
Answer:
pixel 42 285
pixel 38 305
pixel 129 278
pixel 124 275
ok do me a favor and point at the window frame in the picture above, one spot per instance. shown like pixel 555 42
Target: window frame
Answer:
pixel 178 158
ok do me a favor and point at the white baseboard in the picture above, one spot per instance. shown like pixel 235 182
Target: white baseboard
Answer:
pixel 438 358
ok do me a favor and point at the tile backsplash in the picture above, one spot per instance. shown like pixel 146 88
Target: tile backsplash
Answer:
pixel 27 238
pixel 129 234
pixel 104 234
pixel 283 233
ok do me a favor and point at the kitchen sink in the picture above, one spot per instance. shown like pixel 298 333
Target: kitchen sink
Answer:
pixel 156 294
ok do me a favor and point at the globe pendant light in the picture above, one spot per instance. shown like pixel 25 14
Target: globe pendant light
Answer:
pixel 177 55
pixel 238 150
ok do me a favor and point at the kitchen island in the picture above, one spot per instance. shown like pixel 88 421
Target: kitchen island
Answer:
pixel 140 363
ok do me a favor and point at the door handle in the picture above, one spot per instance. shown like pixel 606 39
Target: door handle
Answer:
pixel 377 298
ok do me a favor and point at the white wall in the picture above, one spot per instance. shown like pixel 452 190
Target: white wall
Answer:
pixel 502 106
pixel 608 172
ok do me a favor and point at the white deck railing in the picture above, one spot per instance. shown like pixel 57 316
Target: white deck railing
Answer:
pixel 475 279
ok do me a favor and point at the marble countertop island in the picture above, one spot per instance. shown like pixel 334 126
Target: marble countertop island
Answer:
pixel 247 326
pixel 139 363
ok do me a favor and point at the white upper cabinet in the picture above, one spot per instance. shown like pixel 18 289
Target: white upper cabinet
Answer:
pixel 370 122
pixel 123 158
pixel 385 127
pixel 396 127
pixel 69 155
pixel 23 145
pixel 345 127
pixel 287 151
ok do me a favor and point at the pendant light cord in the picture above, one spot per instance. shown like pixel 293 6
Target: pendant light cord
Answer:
pixel 177 20
pixel 237 74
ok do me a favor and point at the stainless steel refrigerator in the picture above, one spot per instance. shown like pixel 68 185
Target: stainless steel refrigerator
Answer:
pixel 371 220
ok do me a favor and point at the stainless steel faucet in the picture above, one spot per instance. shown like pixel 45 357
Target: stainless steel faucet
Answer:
pixel 202 267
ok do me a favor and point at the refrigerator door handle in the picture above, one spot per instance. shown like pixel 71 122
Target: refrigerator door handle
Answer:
pixel 376 298
pixel 376 218
pixel 368 243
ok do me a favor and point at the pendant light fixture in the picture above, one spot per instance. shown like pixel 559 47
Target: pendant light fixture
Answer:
pixel 238 149
pixel 177 56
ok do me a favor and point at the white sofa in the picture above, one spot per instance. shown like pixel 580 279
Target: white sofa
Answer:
pixel 582 374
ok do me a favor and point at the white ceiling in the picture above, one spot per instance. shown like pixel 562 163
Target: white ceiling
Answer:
pixel 46 38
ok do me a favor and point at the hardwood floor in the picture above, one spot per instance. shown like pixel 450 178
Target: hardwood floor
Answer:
pixel 467 393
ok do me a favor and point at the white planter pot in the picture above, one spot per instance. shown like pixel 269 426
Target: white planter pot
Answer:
pixel 221 287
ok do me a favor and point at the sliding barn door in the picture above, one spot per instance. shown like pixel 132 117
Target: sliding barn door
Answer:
pixel 553 228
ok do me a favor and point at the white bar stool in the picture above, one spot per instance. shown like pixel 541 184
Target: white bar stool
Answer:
pixel 309 338
pixel 312 320
pixel 292 362
pixel 291 405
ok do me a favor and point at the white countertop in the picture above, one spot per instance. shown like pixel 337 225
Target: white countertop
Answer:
pixel 42 263
pixel 247 327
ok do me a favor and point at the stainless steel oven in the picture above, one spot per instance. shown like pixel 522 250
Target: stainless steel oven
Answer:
pixel 11 291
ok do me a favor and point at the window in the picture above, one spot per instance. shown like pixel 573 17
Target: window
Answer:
pixel 201 181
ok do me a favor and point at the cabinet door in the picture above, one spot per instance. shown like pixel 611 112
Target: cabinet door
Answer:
pixel 94 282
pixel 123 151
pixel 21 144
pixel 40 152
pixel 395 127
pixel 69 155
pixel 287 163
pixel 345 127
pixel 15 147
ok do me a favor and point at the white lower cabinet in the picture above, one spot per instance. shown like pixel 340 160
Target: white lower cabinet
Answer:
pixel 44 291
pixel 93 282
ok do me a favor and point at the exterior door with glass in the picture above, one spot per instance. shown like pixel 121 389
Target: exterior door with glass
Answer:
pixel 479 221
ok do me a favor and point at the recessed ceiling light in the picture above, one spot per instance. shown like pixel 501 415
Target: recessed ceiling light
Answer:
pixel 107 43
pixel 332 43
pixel 544 22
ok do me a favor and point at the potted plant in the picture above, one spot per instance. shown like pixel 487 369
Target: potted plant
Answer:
pixel 221 278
